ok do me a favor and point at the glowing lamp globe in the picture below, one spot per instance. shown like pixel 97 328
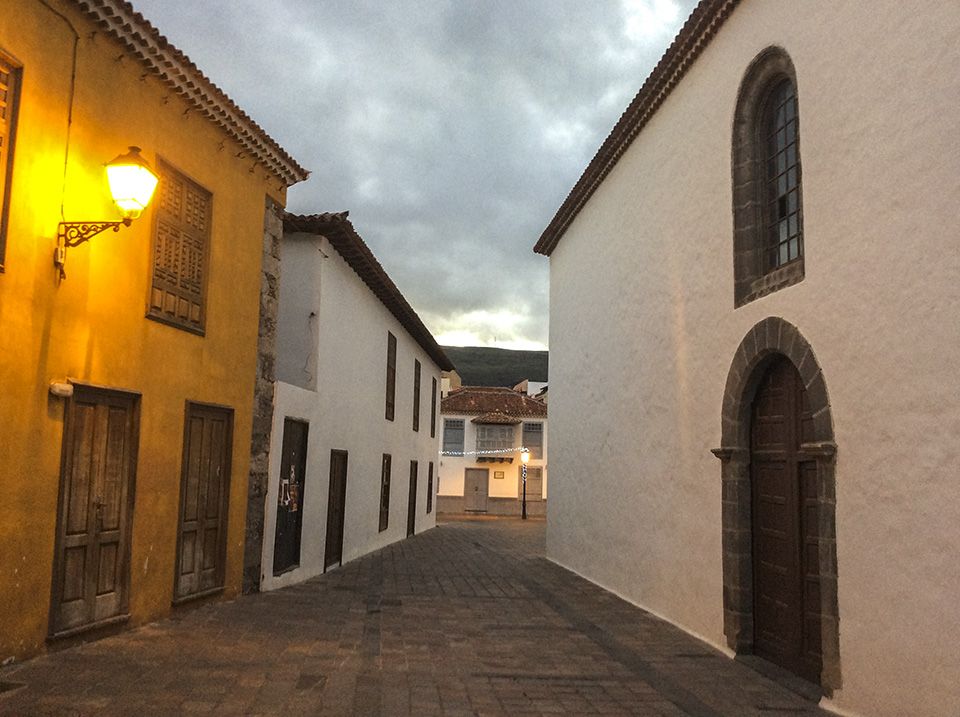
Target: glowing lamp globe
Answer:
pixel 525 456
pixel 132 182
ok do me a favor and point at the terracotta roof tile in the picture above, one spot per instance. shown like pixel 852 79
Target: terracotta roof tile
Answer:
pixel 344 238
pixel 496 417
pixel 486 400
pixel 118 19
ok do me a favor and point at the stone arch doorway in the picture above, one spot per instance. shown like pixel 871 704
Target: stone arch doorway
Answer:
pixel 772 361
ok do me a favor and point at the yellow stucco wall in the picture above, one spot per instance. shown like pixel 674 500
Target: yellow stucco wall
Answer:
pixel 92 327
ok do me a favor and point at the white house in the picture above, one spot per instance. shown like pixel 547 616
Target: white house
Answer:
pixel 353 452
pixel 484 430
pixel 778 471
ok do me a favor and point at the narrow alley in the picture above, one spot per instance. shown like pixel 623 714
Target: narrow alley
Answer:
pixel 465 619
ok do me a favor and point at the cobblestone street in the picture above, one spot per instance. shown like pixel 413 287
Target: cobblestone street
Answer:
pixel 466 619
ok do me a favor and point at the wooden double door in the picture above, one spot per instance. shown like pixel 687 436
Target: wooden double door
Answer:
pixel 91 580
pixel 785 525
pixel 475 489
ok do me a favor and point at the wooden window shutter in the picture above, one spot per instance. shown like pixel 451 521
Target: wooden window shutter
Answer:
pixel 391 376
pixel 9 100
pixel 416 395
pixel 181 252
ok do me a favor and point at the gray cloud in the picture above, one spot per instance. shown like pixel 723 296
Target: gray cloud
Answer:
pixel 452 130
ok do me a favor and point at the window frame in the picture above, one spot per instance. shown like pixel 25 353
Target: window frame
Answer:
pixel 15 72
pixel 159 315
pixel 500 444
pixel 538 453
pixel 447 422
pixel 416 395
pixel 391 384
pixel 753 275
pixel 433 407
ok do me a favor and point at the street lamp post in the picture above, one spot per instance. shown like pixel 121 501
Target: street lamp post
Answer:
pixel 524 459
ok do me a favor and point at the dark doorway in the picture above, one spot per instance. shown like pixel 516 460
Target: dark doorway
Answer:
pixel 91 574
pixel 475 490
pixel 293 468
pixel 204 492
pixel 785 526
pixel 336 504
pixel 412 499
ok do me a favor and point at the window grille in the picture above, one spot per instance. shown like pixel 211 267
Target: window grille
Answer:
pixel 453 435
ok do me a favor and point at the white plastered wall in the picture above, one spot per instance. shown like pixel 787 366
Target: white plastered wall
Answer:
pixel 642 291
pixel 346 412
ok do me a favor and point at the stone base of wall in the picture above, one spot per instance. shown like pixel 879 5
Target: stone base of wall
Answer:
pixel 454 504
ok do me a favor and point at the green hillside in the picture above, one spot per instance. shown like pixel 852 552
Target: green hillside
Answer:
pixel 483 366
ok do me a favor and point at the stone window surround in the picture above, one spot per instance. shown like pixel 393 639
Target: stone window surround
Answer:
pixel 751 279
pixel 770 338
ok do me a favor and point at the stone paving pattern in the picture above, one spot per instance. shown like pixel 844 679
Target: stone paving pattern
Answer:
pixel 466 619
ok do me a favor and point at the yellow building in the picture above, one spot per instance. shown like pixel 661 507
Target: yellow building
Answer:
pixel 127 382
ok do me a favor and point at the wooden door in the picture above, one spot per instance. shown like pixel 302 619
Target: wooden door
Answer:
pixel 293 468
pixel 534 483
pixel 95 513
pixel 475 489
pixel 336 505
pixel 204 496
pixel 412 499
pixel 785 527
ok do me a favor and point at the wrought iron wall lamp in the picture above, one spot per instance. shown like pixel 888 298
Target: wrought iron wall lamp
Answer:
pixel 132 183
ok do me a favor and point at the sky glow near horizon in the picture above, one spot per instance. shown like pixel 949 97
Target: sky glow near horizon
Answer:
pixel 451 130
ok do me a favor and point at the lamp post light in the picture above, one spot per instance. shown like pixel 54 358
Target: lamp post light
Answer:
pixel 131 182
pixel 524 459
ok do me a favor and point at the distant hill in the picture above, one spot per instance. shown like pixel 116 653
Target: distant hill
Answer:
pixel 483 366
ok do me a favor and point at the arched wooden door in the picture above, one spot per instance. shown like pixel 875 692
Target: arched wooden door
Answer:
pixel 785 530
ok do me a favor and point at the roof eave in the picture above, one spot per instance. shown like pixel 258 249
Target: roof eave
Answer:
pixel 694 36
pixel 341 234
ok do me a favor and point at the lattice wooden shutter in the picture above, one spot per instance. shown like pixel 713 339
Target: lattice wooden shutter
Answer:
pixel 178 295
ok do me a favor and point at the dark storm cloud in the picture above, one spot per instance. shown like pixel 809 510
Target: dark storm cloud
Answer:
pixel 452 131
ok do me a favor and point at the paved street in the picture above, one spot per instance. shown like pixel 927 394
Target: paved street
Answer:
pixel 467 619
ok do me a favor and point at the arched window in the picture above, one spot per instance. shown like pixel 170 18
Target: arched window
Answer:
pixel 767 197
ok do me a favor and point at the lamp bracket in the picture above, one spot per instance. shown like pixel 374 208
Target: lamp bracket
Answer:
pixel 76 233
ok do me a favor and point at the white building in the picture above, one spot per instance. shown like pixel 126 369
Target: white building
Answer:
pixel 484 430
pixel 353 452
pixel 802 329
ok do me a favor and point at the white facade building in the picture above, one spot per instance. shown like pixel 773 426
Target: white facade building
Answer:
pixel 484 429
pixel 353 454
pixel 778 471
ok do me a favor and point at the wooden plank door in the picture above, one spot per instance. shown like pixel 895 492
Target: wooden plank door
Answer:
pixel 786 601
pixel 95 514
pixel 336 507
pixel 475 482
pixel 293 468
pixel 204 497
pixel 412 499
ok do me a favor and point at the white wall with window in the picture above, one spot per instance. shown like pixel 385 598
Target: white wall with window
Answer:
pixel 460 435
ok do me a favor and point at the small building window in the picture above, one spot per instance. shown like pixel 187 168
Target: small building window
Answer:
pixel 767 193
pixel 10 73
pixel 416 395
pixel 430 487
pixel 453 435
pixel 494 438
pixel 433 408
pixel 391 376
pixel 181 250
pixel 385 470
pixel 533 439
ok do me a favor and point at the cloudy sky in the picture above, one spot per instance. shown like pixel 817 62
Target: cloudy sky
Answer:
pixel 451 130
